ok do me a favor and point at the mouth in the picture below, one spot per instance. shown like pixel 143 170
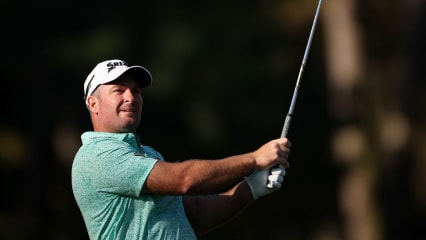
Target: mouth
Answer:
pixel 128 110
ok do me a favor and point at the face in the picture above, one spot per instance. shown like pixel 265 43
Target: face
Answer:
pixel 117 106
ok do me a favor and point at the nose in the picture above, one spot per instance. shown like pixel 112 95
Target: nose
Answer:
pixel 128 95
pixel 131 96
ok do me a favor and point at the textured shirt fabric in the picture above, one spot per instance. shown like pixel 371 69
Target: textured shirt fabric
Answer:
pixel 108 173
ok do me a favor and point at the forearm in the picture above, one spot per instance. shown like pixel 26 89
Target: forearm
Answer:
pixel 195 177
pixel 208 212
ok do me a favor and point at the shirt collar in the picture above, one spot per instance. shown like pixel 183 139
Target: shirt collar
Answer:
pixel 129 138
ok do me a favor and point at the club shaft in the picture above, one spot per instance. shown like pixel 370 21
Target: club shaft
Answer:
pixel 289 116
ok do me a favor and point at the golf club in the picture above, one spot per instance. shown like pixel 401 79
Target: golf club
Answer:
pixel 296 89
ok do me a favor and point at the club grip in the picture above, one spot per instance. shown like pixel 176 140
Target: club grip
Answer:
pixel 286 126
pixel 284 132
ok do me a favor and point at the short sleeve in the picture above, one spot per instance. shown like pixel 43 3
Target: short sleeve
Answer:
pixel 119 170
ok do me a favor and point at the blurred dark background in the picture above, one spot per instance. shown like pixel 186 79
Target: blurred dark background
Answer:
pixel 224 73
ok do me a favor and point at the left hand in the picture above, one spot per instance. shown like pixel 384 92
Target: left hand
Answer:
pixel 258 180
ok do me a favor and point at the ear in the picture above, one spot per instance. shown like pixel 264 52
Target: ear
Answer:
pixel 93 104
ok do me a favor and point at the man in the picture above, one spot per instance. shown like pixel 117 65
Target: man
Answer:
pixel 125 190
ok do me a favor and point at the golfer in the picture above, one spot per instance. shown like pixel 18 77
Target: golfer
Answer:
pixel 126 190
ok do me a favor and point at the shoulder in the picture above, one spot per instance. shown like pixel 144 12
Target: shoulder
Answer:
pixel 101 148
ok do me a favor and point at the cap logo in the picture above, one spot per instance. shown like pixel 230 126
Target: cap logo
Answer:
pixel 112 65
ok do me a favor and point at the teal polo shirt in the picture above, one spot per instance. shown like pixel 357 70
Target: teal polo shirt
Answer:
pixel 108 173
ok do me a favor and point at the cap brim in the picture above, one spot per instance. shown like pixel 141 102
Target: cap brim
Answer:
pixel 141 74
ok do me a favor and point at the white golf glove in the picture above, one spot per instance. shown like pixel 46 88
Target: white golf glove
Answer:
pixel 258 181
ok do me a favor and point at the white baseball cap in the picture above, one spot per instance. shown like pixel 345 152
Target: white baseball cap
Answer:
pixel 110 70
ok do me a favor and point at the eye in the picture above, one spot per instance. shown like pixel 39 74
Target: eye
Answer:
pixel 117 90
pixel 138 91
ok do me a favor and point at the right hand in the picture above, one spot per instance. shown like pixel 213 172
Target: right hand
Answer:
pixel 273 153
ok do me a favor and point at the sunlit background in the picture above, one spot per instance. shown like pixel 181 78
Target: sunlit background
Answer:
pixel 224 73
